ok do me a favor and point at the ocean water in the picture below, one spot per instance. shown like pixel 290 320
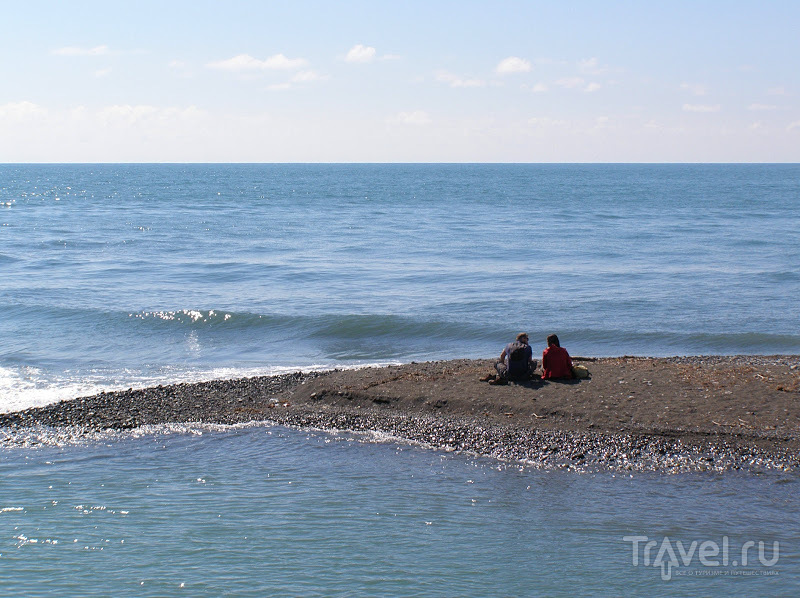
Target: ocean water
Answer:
pixel 118 276
pixel 269 511
pixel 113 276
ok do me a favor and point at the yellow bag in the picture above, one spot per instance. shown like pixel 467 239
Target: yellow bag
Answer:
pixel 580 371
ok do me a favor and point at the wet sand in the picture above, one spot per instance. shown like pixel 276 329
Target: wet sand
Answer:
pixel 633 413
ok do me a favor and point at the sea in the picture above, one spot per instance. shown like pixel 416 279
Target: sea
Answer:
pixel 116 276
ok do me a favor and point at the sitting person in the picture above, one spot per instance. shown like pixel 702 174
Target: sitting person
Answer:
pixel 556 362
pixel 516 362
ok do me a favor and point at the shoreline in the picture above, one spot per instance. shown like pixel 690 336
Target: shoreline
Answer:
pixel 695 413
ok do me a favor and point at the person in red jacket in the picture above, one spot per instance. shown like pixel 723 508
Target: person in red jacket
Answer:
pixel 556 362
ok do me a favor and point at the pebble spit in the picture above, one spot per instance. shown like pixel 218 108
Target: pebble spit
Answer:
pixel 254 399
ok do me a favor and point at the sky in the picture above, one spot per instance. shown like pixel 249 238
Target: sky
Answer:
pixel 411 81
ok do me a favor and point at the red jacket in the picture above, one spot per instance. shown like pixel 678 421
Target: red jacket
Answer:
pixel 556 363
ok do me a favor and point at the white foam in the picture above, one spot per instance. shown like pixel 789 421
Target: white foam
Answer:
pixel 24 387
pixel 45 436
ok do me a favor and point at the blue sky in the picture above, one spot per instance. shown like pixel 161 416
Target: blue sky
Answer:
pixel 500 81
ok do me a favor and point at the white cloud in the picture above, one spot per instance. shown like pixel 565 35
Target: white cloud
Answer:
pixel 103 72
pixel 456 81
pixel 587 64
pixel 591 66
pixel 299 78
pixel 116 114
pixel 279 61
pixel 180 68
pixel 21 111
pixel 242 62
pixel 539 88
pixel 417 117
pixel 701 108
pixel 761 107
pixel 513 64
pixel 360 53
pixel 573 83
pixel 756 126
pixel 695 88
pixel 777 91
pixel 127 114
pixel 189 113
pixel 570 82
pixel 75 51
pixel 307 77
pixel 794 125
pixel 245 62
pixel 544 121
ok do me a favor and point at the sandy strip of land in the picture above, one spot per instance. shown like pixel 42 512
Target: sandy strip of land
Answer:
pixel 672 414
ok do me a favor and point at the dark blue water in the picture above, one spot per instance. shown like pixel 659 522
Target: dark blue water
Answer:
pixel 127 275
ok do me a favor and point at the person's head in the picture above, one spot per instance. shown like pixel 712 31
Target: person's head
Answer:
pixel 523 337
pixel 552 339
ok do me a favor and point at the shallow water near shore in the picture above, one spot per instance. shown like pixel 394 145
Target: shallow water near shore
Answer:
pixel 266 510
pixel 117 276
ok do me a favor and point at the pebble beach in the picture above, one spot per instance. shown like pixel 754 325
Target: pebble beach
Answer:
pixel 703 413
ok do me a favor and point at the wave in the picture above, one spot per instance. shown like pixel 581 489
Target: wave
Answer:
pixel 607 342
pixel 329 328
pixel 322 326
pixel 8 259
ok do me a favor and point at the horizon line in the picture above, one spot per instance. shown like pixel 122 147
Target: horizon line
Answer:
pixel 387 163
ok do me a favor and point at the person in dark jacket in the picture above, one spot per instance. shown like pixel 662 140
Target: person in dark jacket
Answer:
pixel 516 362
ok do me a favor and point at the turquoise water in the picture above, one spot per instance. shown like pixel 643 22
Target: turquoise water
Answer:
pixel 132 275
pixel 258 511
